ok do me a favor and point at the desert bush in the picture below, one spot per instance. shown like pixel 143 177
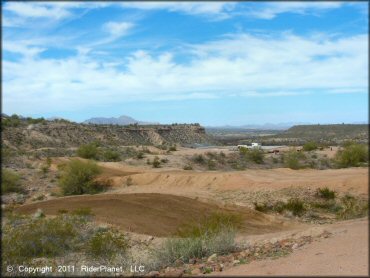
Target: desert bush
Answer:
pixel 12 121
pixel 140 155
pixel 216 234
pixel 111 155
pixel 129 181
pixel 10 181
pixel 310 146
pixel 352 155
pixel 352 207
pixel 88 151
pixel 199 159
pixel 211 164
pixel 278 206
pixel 172 148
pixel 156 162
pixel 25 238
pixel 296 206
pixel 33 238
pixel 164 160
pixel 326 193
pixel 106 244
pixel 211 224
pixel 79 177
pixel 255 155
pixel 292 159
pixel 188 167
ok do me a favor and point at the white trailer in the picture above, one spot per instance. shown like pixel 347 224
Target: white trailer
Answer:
pixel 253 146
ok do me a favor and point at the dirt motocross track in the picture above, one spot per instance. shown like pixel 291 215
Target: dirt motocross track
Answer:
pixel 153 214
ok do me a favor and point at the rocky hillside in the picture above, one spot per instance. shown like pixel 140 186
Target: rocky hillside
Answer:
pixel 55 134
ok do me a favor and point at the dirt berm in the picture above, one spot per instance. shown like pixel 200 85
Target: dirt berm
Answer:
pixel 154 214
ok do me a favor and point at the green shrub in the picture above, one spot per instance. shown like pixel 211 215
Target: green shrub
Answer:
pixel 10 181
pixel 107 244
pixel 352 155
pixel 38 238
pixel 88 151
pixel 111 155
pixel 211 164
pixel 79 177
pixel 172 148
pixel 164 160
pixel 352 207
pixel 198 158
pixel 255 155
pixel 140 155
pixel 25 238
pixel 267 207
pixel 310 146
pixel 216 234
pixel 326 193
pixel 292 159
pixel 212 224
pixel 156 162
pixel 295 206
pixel 188 167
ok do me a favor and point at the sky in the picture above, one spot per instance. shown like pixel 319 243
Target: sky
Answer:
pixel 214 63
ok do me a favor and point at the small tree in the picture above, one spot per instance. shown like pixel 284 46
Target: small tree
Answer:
pixel 89 151
pixel 352 155
pixel 310 146
pixel 10 181
pixel 79 177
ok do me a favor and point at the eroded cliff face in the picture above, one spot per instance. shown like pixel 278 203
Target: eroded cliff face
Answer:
pixel 56 134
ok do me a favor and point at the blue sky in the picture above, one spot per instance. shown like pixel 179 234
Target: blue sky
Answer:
pixel 215 63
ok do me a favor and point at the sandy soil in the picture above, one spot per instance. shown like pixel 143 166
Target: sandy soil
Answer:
pixel 185 182
pixel 344 253
pixel 154 214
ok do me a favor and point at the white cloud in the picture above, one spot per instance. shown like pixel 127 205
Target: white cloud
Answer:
pixel 195 8
pixel 117 29
pixel 246 65
pixel 271 10
pixel 35 10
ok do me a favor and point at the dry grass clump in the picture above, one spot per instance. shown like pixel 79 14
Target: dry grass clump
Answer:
pixel 215 234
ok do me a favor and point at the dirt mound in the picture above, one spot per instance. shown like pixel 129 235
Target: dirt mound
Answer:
pixel 353 180
pixel 153 214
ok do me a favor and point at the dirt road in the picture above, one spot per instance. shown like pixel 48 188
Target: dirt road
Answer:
pixel 345 253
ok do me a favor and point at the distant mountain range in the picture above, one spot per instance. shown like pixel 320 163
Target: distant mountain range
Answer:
pixel 266 126
pixel 269 126
pixel 122 120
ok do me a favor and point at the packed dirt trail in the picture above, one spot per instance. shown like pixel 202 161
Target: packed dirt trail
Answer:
pixel 344 253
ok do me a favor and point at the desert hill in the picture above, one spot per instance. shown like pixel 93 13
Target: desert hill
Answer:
pixel 53 134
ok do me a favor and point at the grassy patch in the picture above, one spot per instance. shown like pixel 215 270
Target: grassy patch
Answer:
pixel 326 193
